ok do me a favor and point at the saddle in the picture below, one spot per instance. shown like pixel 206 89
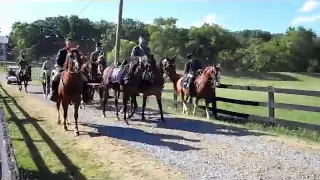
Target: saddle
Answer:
pixel 117 74
pixel 186 81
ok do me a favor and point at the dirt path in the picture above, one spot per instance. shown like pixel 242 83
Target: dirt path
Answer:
pixel 187 149
pixel 109 153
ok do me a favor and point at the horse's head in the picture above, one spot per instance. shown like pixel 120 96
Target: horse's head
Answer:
pixel 168 67
pixel 72 60
pixel 213 74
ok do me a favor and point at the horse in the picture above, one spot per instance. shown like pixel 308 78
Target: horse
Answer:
pixel 150 76
pixel 112 78
pixel 205 85
pixel 46 82
pixel 70 88
pixel 23 77
pixel 94 71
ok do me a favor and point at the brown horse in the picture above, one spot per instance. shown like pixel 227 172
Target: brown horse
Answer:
pixel 165 67
pixel 70 88
pixel 205 85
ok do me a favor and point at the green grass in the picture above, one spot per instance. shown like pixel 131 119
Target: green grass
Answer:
pixel 280 80
pixel 305 82
pixel 42 152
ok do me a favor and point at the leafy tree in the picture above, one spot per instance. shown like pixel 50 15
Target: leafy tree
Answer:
pixel 297 49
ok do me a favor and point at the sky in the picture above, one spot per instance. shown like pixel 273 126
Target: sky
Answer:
pixel 269 15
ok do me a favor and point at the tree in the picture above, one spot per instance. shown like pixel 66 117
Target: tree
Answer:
pixel 126 47
pixel 297 49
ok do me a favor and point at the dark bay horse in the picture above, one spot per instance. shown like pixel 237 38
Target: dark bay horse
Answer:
pixel 70 88
pixel 205 85
pixel 23 77
pixel 112 79
pixel 147 86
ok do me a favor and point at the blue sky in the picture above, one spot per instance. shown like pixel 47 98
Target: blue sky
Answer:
pixel 270 15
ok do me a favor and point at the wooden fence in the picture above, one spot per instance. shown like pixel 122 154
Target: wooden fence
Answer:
pixel 271 105
pixel 9 168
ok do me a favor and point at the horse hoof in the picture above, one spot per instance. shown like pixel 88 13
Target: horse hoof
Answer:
pixel 126 121
pixel 76 133
pixel 65 128
pixel 58 122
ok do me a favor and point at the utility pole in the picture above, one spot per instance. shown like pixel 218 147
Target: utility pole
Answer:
pixel 117 45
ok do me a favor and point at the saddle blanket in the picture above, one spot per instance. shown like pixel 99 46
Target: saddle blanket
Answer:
pixel 185 81
pixel 117 74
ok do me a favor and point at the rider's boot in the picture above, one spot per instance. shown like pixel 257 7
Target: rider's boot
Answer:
pixel 54 91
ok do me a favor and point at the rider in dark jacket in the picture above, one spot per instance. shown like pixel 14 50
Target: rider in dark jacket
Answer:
pixel 138 51
pixel 22 63
pixel 60 60
pixel 94 55
pixel 191 71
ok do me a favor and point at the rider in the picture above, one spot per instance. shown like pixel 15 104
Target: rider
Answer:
pixel 138 51
pixel 22 63
pixel 94 55
pixel 191 71
pixel 46 66
pixel 60 59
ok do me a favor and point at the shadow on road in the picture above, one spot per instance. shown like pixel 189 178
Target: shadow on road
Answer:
pixel 137 135
pixel 44 172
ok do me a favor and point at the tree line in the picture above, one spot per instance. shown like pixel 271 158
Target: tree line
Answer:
pixel 296 50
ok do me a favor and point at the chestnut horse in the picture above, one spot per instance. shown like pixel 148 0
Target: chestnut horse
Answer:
pixel 205 85
pixel 70 88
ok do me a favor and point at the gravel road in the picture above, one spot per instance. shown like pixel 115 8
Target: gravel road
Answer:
pixel 204 150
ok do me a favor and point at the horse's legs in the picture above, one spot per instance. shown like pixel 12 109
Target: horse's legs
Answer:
pixel 25 85
pixel 207 109
pixel 184 105
pixel 76 115
pixel 135 105
pixel 125 97
pixel 105 101
pixel 144 103
pixel 195 106
pixel 65 104
pixel 115 94
pixel 58 109
pixel 160 106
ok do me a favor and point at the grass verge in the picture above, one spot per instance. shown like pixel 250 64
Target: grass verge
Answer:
pixel 300 133
pixel 42 150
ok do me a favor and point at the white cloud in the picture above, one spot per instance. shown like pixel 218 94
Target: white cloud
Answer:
pixel 305 19
pixel 209 19
pixel 309 6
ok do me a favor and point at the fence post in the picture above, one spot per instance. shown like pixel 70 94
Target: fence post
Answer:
pixel 175 98
pixel 214 104
pixel 271 103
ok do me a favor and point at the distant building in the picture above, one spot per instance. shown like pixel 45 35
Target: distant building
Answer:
pixel 3 47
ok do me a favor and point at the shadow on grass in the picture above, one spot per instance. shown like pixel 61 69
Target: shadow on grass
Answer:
pixel 44 172
pixel 26 174
pixel 270 76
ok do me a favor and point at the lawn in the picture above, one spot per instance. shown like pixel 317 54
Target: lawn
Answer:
pixel 42 150
pixel 280 80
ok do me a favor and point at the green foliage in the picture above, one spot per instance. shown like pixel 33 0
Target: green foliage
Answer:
pixel 297 49
pixel 125 51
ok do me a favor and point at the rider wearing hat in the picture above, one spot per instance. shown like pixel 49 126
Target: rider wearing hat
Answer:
pixel 60 60
pixel 94 55
pixel 138 51
pixel 22 63
pixel 191 71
